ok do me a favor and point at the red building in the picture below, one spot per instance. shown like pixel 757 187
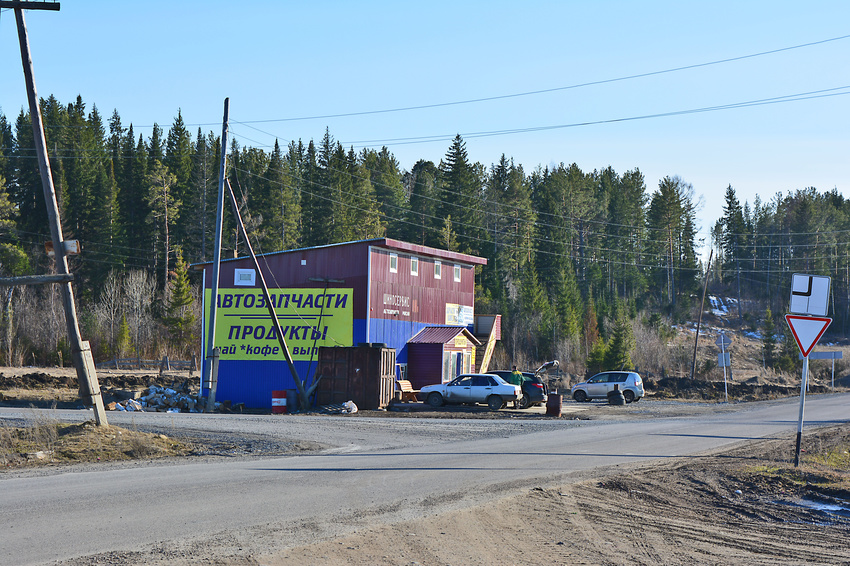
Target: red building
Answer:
pixel 371 291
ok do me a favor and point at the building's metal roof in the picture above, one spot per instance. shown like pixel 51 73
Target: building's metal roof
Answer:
pixel 388 243
pixel 442 335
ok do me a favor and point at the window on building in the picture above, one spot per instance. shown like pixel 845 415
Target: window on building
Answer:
pixel 414 266
pixel 393 263
pixel 244 277
pixel 438 270
pixel 457 273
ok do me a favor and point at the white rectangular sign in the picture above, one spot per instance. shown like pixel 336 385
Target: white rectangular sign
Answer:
pixel 809 294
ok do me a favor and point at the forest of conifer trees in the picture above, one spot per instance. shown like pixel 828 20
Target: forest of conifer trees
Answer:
pixel 579 262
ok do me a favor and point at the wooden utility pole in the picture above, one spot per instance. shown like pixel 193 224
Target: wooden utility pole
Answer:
pixel 212 354
pixel 699 318
pixel 80 350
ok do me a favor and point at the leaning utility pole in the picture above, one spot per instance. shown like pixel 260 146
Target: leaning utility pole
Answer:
pixel 80 350
pixel 212 353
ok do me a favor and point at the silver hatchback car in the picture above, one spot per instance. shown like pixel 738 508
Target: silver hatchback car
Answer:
pixel 598 386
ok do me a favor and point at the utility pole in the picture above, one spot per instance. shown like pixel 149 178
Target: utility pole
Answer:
pixel 80 350
pixel 699 318
pixel 212 353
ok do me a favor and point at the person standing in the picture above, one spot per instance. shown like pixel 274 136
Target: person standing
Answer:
pixel 516 377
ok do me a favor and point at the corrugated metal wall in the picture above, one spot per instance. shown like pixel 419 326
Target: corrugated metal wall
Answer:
pixel 397 306
pixel 424 364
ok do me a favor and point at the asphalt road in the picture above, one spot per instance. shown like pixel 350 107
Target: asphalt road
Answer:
pixel 380 469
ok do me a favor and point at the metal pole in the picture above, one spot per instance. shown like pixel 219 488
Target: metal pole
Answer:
pixel 723 353
pixel 80 351
pixel 802 408
pixel 699 319
pixel 305 396
pixel 219 221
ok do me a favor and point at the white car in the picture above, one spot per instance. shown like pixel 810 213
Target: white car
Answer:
pixel 598 386
pixel 472 388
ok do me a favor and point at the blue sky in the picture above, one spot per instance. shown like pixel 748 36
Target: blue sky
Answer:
pixel 279 62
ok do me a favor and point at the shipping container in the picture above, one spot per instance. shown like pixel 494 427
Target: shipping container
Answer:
pixel 363 374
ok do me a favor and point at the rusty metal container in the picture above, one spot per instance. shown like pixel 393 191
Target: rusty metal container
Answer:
pixel 364 374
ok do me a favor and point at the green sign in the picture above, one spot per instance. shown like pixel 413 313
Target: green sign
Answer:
pixel 309 318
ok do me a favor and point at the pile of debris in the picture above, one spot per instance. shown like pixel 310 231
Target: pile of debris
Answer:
pixel 157 399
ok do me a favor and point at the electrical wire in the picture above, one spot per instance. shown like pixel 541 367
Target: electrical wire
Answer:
pixel 556 89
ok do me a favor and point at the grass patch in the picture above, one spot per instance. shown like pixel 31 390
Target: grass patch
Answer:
pixel 46 441
pixel 824 468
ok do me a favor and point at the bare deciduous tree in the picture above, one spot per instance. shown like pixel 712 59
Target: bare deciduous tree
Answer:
pixel 139 291
pixel 109 308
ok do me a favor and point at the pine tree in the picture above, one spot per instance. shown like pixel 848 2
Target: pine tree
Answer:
pixel 421 183
pixel 25 189
pixel 163 211
pixel 179 318
pixel 366 219
pixel 13 259
pixel 768 339
pixel 178 159
pixel 448 237
pixel 386 180
pixel 105 226
pixel 568 302
pixel 280 208
pixel 198 212
pixel 671 223
pixel 590 326
pixel 625 233
pixel 733 242
pixel 618 351
pixel 596 356
pixel 311 198
pixel 460 198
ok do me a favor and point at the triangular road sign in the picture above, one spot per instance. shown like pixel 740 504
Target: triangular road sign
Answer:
pixel 807 330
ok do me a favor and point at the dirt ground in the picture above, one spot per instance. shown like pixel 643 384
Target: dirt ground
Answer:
pixel 740 507
pixel 743 506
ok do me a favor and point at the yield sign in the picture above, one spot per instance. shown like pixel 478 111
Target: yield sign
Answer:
pixel 807 330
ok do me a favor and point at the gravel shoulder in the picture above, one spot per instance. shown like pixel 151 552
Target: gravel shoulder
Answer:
pixel 741 506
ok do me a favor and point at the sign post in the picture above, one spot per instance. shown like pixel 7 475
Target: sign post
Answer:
pixel 724 359
pixel 836 355
pixel 809 302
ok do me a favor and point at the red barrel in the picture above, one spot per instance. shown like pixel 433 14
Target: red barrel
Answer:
pixel 278 402
pixel 553 405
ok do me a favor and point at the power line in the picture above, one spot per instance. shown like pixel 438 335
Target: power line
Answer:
pixel 550 90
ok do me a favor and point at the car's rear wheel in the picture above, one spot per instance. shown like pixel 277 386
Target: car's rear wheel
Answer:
pixel 580 396
pixel 435 399
pixel 629 395
pixel 524 402
pixel 494 402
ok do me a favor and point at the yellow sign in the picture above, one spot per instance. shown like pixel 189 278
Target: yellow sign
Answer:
pixel 309 318
pixel 460 341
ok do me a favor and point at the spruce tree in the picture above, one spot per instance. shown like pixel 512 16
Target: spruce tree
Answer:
pixel 621 344
pixel 421 183
pixel 179 317
pixel 163 211
pixel 768 339
pixel 178 159
pixel 386 180
pixel 460 198
pixel 366 220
